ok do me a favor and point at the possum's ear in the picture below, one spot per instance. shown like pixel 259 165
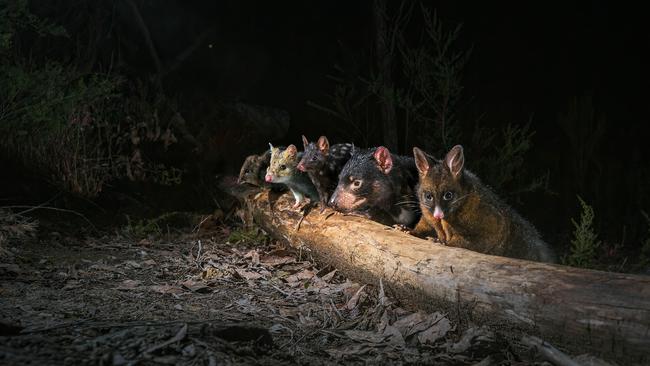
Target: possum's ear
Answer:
pixel 291 150
pixel 305 142
pixel 384 160
pixel 421 161
pixel 455 160
pixel 323 145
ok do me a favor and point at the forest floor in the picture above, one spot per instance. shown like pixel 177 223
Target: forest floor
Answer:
pixel 221 296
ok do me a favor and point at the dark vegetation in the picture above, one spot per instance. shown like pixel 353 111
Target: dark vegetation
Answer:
pixel 113 113
pixel 105 98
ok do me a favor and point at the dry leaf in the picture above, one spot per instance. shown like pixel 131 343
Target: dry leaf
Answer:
pixel 254 255
pixel 305 274
pixel 127 285
pixel 247 274
pixel 277 261
pixel 328 277
pixel 196 286
pixel 166 289
pixel 437 331
pixel 366 336
pixel 354 300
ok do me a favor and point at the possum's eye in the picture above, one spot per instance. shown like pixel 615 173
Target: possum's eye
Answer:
pixel 356 183
pixel 448 196
pixel 428 196
pixel 283 167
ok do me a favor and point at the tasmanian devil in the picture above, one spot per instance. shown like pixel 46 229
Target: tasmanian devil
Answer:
pixel 323 163
pixel 376 183
pixel 463 212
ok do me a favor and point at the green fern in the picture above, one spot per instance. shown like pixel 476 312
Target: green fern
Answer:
pixel 585 243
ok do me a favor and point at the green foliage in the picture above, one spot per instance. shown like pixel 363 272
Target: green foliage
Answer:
pixel 142 228
pixel 585 243
pixel 16 17
pixel 157 226
pixel 500 158
pixel 247 235
pixel 434 71
pixel 72 126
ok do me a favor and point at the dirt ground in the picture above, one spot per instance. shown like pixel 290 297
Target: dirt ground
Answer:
pixel 225 296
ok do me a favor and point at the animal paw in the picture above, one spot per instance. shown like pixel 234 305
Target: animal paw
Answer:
pixel 401 228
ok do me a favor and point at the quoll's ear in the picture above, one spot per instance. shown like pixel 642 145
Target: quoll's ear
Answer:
pixel 305 142
pixel 455 160
pixel 421 161
pixel 270 147
pixel 323 145
pixel 384 160
pixel 291 150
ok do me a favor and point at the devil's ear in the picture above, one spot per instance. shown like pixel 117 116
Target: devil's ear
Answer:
pixel 421 161
pixel 455 160
pixel 323 145
pixel 305 142
pixel 291 150
pixel 384 160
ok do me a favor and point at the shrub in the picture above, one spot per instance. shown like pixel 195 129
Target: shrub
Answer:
pixel 585 243
pixel 78 129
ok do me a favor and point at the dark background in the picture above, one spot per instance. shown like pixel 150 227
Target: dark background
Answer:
pixel 529 62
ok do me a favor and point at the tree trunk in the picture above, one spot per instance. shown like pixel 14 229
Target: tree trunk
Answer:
pixel 603 313
pixel 384 59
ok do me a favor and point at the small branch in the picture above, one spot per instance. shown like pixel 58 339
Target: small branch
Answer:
pixel 147 37
pixel 548 352
pixel 32 208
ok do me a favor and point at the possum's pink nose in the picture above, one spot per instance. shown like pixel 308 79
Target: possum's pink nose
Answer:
pixel 438 214
pixel 268 178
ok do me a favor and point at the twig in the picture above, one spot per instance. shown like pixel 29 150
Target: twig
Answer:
pixel 180 335
pixel 548 352
pixel 32 208
pixel 147 36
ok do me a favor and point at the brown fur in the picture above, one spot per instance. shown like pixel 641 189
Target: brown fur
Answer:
pixel 475 218
pixel 253 169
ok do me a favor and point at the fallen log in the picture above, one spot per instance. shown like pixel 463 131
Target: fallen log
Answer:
pixel 603 313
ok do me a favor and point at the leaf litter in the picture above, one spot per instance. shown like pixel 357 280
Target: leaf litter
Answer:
pixel 230 296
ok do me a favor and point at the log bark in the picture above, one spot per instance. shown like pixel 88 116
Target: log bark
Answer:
pixel 603 313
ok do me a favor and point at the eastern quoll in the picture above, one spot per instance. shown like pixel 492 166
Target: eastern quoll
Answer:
pixel 254 169
pixel 376 183
pixel 283 169
pixel 463 212
pixel 323 164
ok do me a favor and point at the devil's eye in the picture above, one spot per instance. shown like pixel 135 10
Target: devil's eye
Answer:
pixel 313 158
pixel 448 196
pixel 283 167
pixel 356 183
pixel 428 196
